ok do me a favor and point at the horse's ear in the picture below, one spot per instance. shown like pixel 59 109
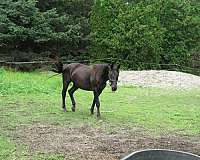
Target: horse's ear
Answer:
pixel 111 65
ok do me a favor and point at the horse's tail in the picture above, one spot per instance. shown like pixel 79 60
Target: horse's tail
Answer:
pixel 58 64
pixel 59 67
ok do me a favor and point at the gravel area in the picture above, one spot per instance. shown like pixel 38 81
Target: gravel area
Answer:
pixel 159 78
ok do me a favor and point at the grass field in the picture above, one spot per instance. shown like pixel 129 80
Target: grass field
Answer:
pixel 27 99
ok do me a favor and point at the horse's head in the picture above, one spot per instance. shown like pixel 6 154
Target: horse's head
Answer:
pixel 113 75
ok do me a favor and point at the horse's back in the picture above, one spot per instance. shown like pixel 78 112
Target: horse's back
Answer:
pixel 80 75
pixel 85 76
pixel 78 67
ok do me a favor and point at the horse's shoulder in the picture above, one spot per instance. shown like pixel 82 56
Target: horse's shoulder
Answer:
pixel 99 71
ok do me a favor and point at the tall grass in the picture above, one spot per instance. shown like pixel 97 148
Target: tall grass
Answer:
pixel 12 82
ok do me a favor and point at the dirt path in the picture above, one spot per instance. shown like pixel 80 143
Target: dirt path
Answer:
pixel 160 78
pixel 87 143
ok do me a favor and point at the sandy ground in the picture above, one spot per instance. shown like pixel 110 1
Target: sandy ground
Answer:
pixel 159 78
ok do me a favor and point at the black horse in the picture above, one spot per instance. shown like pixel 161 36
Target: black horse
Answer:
pixel 90 78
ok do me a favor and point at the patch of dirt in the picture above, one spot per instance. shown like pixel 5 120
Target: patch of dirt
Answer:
pixel 87 143
pixel 159 78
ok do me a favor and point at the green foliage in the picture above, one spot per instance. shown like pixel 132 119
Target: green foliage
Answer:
pixel 40 26
pixel 157 31
pixel 142 32
pixel 25 22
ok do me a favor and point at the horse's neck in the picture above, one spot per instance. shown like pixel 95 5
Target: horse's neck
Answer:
pixel 105 73
pixel 102 71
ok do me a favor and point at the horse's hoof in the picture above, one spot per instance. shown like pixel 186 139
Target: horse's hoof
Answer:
pixel 99 118
pixel 73 109
pixel 91 112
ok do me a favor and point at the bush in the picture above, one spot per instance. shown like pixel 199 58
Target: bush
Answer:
pixel 146 32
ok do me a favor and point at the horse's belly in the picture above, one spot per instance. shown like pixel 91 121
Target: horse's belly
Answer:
pixel 86 87
pixel 82 82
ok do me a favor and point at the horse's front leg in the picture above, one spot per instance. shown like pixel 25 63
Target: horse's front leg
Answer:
pixel 98 107
pixel 97 102
pixel 92 107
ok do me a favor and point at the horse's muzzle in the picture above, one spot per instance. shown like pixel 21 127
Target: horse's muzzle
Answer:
pixel 114 88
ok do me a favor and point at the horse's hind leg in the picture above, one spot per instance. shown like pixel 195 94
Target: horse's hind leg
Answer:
pixel 64 90
pixel 66 82
pixel 71 92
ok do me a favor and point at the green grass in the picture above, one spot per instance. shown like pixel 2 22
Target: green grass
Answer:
pixel 10 151
pixel 6 148
pixel 27 98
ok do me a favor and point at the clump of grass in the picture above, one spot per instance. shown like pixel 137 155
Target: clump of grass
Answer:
pixel 9 150
pixel 6 148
